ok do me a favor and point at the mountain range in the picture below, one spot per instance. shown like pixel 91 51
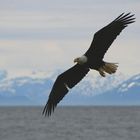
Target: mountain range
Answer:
pixel 92 90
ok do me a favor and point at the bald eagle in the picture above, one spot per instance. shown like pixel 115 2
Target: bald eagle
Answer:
pixel 92 59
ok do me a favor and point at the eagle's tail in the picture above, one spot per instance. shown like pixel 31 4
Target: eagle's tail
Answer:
pixel 109 68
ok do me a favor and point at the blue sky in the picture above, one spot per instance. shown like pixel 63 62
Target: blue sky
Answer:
pixel 46 35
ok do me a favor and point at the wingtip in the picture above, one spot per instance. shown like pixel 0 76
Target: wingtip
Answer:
pixel 119 16
pixel 124 16
pixel 45 111
pixel 48 109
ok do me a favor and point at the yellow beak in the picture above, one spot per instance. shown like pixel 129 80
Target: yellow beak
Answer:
pixel 75 60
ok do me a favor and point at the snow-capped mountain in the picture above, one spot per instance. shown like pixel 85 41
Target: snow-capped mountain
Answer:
pixel 92 90
pixel 23 90
pixel 126 93
pixel 132 85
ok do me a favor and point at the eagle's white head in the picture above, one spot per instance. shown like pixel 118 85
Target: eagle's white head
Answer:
pixel 81 60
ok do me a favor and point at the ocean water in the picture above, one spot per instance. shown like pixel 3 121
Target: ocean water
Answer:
pixel 70 123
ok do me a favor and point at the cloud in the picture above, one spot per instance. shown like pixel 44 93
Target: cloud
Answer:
pixel 25 54
pixel 40 35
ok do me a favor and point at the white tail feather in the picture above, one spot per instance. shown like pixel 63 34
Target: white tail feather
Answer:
pixel 109 68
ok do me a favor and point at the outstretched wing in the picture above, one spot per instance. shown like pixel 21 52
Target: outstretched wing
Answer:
pixel 66 80
pixel 104 37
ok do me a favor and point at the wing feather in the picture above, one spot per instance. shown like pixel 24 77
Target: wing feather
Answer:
pixel 69 78
pixel 105 37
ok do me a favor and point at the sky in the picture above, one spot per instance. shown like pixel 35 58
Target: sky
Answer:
pixel 46 35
